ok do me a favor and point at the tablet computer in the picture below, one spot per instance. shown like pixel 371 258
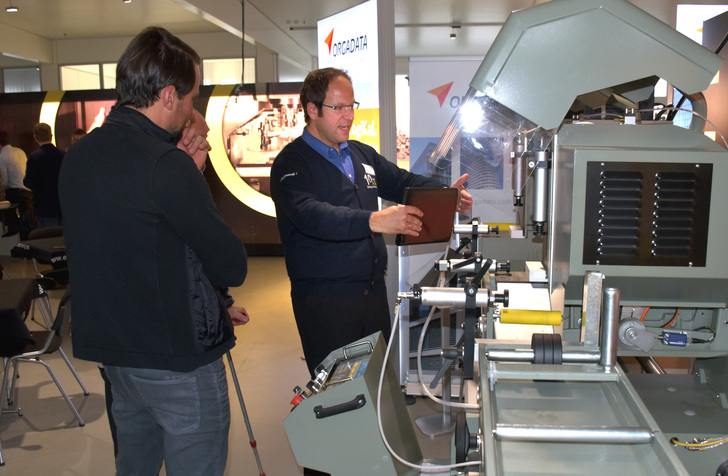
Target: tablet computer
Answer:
pixel 438 206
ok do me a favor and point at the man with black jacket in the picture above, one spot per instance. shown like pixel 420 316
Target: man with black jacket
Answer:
pixel 41 176
pixel 148 253
pixel 326 188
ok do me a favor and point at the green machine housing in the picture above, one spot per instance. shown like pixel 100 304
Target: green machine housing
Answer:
pixel 336 430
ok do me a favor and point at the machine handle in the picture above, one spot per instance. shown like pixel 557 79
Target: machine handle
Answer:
pixel 358 402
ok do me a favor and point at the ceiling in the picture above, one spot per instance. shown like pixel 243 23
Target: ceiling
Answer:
pixel 422 27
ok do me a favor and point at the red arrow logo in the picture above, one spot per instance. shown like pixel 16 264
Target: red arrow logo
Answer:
pixel 441 92
pixel 329 40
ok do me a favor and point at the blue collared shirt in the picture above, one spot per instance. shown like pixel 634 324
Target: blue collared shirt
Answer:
pixel 340 158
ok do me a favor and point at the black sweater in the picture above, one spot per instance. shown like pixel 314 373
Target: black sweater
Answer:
pixel 323 218
pixel 146 248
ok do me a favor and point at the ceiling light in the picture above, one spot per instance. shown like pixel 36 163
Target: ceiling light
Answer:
pixel 454 35
pixel 11 8
pixel 126 1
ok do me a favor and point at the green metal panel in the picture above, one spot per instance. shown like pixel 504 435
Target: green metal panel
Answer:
pixel 580 145
pixel 547 55
pixel 349 443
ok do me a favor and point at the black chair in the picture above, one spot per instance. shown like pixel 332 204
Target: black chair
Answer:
pixel 56 278
pixel 46 342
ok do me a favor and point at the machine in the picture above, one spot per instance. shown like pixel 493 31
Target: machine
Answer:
pixel 628 206
pixel 558 362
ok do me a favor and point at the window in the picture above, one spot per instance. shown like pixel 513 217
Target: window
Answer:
pixel 80 76
pixel 21 80
pixel 109 75
pixel 227 71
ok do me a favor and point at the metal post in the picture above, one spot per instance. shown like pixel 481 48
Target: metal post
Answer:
pixel 591 307
pixel 253 443
pixel 610 324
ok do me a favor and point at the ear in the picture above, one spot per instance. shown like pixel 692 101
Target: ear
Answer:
pixel 312 110
pixel 168 96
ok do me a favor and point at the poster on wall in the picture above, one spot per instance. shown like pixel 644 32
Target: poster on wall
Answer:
pixel 437 88
pixel 349 41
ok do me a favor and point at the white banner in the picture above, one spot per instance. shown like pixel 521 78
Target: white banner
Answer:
pixel 349 41
pixel 437 86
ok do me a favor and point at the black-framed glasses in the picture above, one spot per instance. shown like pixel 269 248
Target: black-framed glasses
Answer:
pixel 345 108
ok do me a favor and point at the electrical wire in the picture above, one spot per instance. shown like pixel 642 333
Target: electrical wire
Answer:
pixel 397 312
pixel 694 340
pixel 420 374
pixel 677 312
pixel 644 314
pixel 422 468
pixel 700 444
pixel 420 344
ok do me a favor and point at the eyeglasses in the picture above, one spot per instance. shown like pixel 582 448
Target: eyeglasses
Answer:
pixel 345 108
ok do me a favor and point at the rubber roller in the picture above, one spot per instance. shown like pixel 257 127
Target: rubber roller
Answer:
pixel 524 316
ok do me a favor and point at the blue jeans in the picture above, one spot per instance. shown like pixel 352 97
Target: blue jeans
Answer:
pixel 181 418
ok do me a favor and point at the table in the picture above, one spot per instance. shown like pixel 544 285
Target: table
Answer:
pixel 16 296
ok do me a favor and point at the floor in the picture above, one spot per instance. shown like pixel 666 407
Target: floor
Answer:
pixel 268 360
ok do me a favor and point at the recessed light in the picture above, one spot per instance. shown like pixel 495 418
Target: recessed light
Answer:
pixel 11 9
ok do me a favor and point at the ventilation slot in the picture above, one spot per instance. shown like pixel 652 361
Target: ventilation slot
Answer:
pixel 619 213
pixel 646 214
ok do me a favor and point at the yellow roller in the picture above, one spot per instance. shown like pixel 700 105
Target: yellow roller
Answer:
pixel 524 316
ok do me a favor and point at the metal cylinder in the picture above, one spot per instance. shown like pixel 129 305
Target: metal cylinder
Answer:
pixel 650 365
pixel 467 229
pixel 519 169
pixel 564 434
pixel 610 326
pixel 452 297
pixel 541 187
pixel 527 355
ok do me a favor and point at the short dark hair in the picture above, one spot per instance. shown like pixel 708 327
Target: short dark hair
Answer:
pixel 42 132
pixel 154 59
pixel 4 138
pixel 315 86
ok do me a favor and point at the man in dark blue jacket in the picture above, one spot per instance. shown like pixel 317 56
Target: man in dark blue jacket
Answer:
pixel 326 188
pixel 41 176
pixel 148 253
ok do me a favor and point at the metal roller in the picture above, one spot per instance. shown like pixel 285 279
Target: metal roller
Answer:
pixel 563 434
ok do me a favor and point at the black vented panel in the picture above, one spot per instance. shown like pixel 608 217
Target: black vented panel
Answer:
pixel 647 214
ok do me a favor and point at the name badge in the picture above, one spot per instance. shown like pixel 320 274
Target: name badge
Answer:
pixel 370 177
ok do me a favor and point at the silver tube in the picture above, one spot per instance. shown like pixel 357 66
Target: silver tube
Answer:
pixel 465 229
pixel 452 297
pixel 541 187
pixel 527 355
pixel 564 434
pixel 519 169
pixel 650 365
pixel 610 325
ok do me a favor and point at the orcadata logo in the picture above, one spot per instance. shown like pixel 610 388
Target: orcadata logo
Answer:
pixel 355 44
pixel 329 40
pixel 441 92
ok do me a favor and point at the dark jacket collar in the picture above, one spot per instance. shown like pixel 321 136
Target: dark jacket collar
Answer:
pixel 128 117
